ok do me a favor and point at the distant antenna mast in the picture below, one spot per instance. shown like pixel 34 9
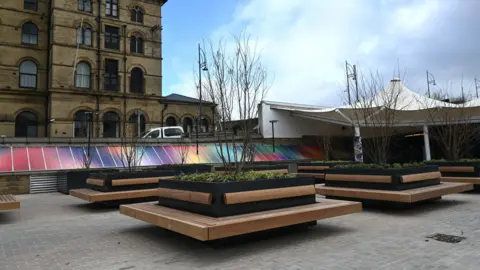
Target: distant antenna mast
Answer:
pixel 477 85
pixel 351 72
pixel 76 53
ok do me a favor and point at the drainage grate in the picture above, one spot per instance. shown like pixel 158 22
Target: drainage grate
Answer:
pixel 447 238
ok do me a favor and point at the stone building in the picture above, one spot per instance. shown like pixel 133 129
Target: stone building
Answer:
pixel 69 68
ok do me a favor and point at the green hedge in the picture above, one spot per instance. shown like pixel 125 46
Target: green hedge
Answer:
pixel 231 177
pixel 330 161
pixel 459 160
pixel 377 166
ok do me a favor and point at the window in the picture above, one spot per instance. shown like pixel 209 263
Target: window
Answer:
pixel 204 125
pixel 137 123
pixel 136 15
pixel 29 33
pixel 136 81
pixel 136 44
pixel 170 122
pixel 26 125
pixel 111 80
pixel 82 75
pixel 153 134
pixel 85 5
pixel 169 132
pixel 84 36
pixel 28 74
pixel 111 124
pixel 112 8
pixel 112 37
pixel 30 4
pixel 83 124
pixel 187 124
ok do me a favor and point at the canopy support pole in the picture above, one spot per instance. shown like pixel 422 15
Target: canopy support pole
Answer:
pixel 426 140
pixel 357 145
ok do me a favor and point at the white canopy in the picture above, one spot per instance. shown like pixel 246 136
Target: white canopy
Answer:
pixel 409 108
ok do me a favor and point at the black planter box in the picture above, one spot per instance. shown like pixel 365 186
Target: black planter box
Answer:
pixel 218 208
pixel 474 164
pixel 159 171
pixel 109 177
pixel 78 179
pixel 396 183
pixel 313 171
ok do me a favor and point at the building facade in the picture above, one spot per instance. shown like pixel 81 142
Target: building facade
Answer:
pixel 78 68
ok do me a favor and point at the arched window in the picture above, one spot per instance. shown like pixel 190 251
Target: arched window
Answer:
pixel 187 125
pixel 171 121
pixel 82 75
pixel 136 44
pixel 136 15
pixel 204 125
pixel 83 124
pixel 136 81
pixel 28 74
pixel 29 33
pixel 111 125
pixel 85 5
pixel 26 125
pixel 137 123
pixel 84 36
pixel 30 4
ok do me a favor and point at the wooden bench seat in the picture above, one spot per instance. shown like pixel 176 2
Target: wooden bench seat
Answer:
pixel 8 202
pixel 206 228
pixel 404 196
pixel 98 196
pixel 127 182
pixel 471 180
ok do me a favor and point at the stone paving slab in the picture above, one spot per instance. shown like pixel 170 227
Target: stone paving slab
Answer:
pixel 56 231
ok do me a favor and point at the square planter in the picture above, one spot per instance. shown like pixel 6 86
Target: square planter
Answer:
pixel 235 198
pixel 78 179
pixel 383 179
pixel 318 169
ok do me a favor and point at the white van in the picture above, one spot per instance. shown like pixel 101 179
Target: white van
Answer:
pixel 164 132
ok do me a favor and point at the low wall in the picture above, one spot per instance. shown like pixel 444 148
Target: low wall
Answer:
pixel 14 184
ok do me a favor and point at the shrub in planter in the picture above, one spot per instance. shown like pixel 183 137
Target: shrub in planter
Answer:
pixel 255 167
pixel 384 177
pixel 219 187
pixel 458 168
pixel 186 168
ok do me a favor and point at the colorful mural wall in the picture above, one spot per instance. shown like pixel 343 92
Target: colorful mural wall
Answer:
pixel 41 158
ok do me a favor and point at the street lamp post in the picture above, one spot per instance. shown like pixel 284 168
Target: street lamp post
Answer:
pixel 273 133
pixel 202 66
pixel 88 120
pixel 430 80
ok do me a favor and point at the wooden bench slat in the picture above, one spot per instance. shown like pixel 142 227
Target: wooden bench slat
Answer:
pixel 404 196
pixel 420 177
pixel 95 182
pixel 313 168
pixel 471 180
pixel 457 169
pixel 185 195
pixel 98 196
pixel 8 202
pixel 268 194
pixel 135 181
pixel 208 228
pixel 359 178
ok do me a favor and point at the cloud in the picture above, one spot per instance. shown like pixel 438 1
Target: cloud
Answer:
pixel 305 43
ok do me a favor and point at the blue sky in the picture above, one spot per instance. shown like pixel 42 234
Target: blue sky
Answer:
pixel 185 24
pixel 305 42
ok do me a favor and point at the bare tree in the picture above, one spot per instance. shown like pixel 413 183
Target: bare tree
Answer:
pixel 184 147
pixel 131 152
pixel 452 127
pixel 236 80
pixel 87 149
pixel 376 112
pixel 324 142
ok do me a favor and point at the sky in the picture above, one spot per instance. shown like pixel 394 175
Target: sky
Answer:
pixel 305 43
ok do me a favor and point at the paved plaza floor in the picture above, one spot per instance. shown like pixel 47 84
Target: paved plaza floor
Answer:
pixel 56 231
